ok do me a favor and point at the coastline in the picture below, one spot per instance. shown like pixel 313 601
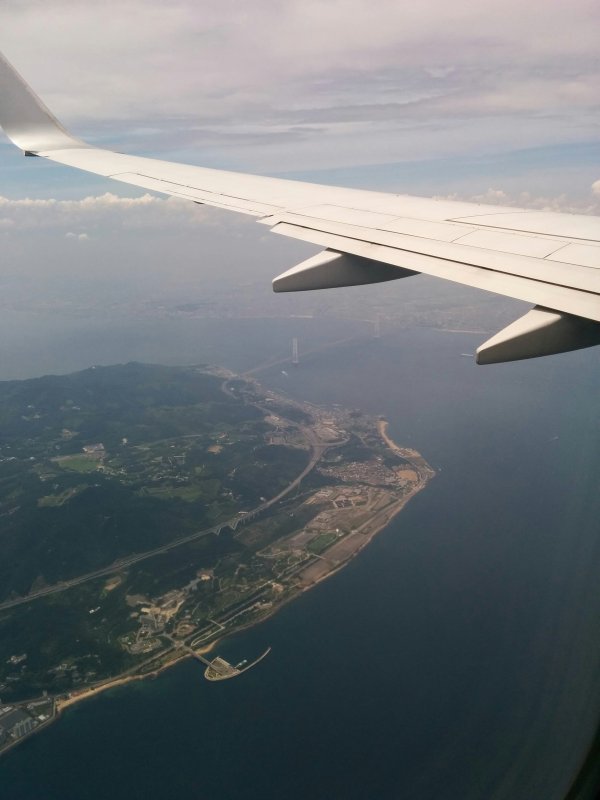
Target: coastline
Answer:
pixel 382 520
pixel 377 523
pixel 389 514
pixel 120 680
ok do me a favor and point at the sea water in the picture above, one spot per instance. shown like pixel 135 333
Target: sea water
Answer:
pixel 456 657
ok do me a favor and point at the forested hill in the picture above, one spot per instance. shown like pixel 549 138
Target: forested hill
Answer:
pixel 116 460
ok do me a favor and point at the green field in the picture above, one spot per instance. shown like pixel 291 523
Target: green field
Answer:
pixel 322 542
pixel 79 463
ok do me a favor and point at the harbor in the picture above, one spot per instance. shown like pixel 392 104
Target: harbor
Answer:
pixel 221 670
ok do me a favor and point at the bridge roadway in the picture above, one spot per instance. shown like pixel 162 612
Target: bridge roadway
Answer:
pixel 222 669
pixel 317 449
pixel 219 669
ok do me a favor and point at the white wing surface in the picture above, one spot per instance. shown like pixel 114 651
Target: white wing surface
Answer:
pixel 550 260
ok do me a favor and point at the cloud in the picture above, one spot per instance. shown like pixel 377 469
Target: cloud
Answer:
pixel 80 237
pixel 559 203
pixel 107 211
pixel 292 85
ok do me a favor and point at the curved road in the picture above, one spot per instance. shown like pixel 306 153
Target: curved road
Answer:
pixel 317 449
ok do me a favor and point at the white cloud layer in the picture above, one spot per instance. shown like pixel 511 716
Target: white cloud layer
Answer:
pixel 79 237
pixel 78 219
pixel 106 211
pixel 558 203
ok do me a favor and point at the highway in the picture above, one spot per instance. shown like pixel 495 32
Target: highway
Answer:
pixel 317 449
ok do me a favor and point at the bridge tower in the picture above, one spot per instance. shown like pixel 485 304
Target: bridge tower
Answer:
pixel 295 359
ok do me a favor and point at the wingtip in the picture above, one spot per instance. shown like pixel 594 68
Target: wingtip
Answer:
pixel 25 119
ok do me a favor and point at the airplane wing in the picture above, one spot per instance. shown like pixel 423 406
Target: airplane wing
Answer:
pixel 548 259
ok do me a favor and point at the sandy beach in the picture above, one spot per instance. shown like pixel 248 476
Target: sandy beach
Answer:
pixel 76 697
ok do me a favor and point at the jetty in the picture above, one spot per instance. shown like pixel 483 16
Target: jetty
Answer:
pixel 221 670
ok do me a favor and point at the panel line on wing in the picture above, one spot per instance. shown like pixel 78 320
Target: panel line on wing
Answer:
pixel 582 278
pixel 568 226
pixel 568 299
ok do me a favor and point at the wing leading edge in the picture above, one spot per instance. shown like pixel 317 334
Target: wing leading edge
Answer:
pixel 550 260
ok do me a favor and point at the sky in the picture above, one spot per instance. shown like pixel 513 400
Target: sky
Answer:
pixel 496 100
pixel 286 86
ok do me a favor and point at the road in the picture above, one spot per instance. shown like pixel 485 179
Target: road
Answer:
pixel 317 449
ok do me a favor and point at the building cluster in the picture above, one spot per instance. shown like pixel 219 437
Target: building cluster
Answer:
pixel 16 659
pixel 326 431
pixel 341 496
pixel 16 723
pixel 74 671
pixel 154 615
pixel 373 473
pixel 336 520
pixel 96 449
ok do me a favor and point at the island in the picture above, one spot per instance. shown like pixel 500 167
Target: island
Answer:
pixel 148 511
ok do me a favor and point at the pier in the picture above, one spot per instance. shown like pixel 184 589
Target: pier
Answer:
pixel 221 670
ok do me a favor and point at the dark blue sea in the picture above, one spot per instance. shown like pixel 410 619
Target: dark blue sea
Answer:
pixel 455 659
